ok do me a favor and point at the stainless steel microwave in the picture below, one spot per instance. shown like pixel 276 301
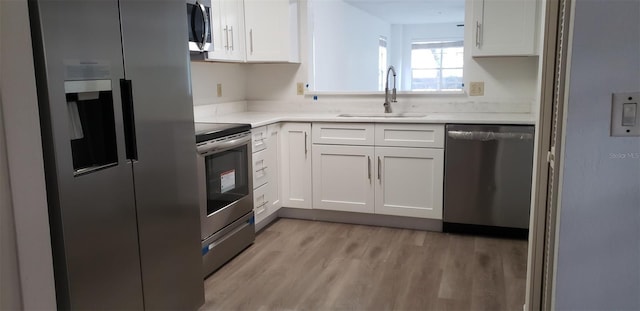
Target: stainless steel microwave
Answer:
pixel 199 25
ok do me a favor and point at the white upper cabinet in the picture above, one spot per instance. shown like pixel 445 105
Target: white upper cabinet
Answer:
pixel 228 31
pixel 504 27
pixel 271 30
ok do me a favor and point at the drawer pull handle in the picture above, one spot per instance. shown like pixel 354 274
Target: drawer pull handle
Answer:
pixel 305 143
pixel 369 167
pixel 379 169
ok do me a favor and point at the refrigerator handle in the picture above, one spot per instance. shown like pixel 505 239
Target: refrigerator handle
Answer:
pixel 131 147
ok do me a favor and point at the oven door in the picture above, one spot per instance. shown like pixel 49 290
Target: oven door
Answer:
pixel 226 186
pixel 199 25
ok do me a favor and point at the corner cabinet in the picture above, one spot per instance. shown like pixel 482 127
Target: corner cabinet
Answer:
pixel 271 30
pixel 228 31
pixel 296 168
pixel 504 27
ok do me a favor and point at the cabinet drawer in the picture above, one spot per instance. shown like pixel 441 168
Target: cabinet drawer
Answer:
pixel 359 134
pixel 260 203
pixel 260 173
pixel 410 135
pixel 259 138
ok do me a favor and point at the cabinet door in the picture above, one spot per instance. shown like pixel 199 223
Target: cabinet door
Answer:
pixel 227 25
pixel 267 30
pixel 343 178
pixel 409 182
pixel 273 166
pixel 504 27
pixel 217 32
pixel 234 22
pixel 296 165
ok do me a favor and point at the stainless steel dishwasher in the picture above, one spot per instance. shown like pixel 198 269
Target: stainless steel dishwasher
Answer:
pixel 488 178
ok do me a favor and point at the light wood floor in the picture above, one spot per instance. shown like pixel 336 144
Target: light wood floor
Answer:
pixel 308 265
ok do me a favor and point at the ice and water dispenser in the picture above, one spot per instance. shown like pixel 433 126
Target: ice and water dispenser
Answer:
pixel 91 125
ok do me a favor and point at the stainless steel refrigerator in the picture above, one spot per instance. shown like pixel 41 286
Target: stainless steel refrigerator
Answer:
pixel 119 149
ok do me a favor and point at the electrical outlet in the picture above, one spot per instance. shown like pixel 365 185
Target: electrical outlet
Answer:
pixel 476 89
pixel 219 89
pixel 300 88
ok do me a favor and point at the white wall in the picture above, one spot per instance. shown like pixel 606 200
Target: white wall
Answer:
pixel 346 41
pixel 206 75
pixel 24 156
pixel 598 257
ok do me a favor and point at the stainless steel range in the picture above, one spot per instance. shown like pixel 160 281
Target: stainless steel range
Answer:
pixel 226 196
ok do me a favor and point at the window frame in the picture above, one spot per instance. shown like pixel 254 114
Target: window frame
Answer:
pixel 442 46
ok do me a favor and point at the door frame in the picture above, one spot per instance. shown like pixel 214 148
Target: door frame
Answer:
pixel 547 166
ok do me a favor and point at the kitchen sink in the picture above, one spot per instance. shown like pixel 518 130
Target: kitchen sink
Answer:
pixel 382 115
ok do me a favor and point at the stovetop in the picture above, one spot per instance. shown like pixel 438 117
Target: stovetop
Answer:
pixel 209 131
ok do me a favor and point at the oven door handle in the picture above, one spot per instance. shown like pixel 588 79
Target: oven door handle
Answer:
pixel 223 145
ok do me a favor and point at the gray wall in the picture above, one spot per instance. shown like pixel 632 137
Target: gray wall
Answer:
pixel 9 278
pixel 24 157
pixel 598 263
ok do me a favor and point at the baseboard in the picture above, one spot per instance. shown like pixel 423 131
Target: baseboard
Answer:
pixel 502 232
pixel 266 222
pixel 362 219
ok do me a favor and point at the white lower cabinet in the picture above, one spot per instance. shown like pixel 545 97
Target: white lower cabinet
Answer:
pixel 266 171
pixel 296 168
pixel 409 182
pixel 343 178
pixel 273 166
pixel 403 180
pixel 260 203
pixel 260 172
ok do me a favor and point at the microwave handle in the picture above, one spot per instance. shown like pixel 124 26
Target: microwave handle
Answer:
pixel 205 18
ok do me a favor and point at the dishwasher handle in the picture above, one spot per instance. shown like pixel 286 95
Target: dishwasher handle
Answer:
pixel 487 136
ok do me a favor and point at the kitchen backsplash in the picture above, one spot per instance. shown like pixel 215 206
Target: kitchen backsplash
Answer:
pixel 371 104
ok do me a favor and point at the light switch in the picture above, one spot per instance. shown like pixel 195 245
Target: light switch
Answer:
pixel 624 114
pixel 629 113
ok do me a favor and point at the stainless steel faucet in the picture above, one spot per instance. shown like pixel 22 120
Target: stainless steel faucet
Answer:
pixel 387 103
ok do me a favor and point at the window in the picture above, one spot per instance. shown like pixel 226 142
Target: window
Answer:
pixel 436 66
pixel 382 61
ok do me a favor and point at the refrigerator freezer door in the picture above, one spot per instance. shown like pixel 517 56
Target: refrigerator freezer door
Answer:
pixel 156 58
pixel 89 182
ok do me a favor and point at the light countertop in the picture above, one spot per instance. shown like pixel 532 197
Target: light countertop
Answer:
pixel 257 119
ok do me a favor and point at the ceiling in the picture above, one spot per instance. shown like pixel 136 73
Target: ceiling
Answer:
pixel 413 11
